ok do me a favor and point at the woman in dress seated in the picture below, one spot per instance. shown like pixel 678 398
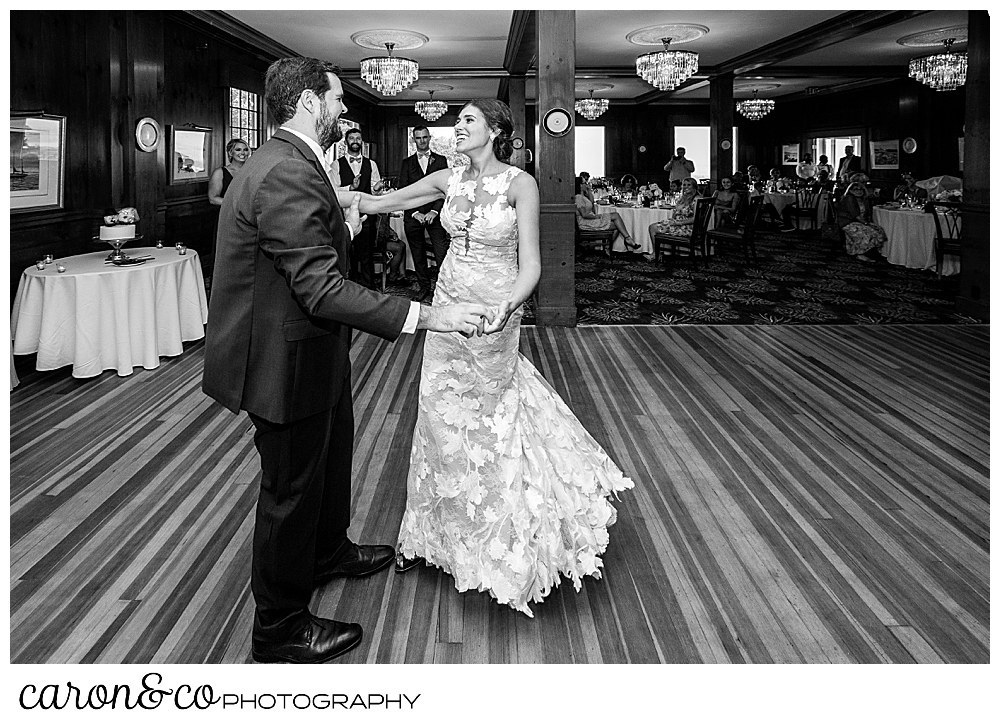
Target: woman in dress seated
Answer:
pixel 854 216
pixel 727 201
pixel 395 252
pixel 629 184
pixel 908 189
pixel 587 218
pixel 682 224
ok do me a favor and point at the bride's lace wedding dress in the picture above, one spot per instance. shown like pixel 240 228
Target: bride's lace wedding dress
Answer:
pixel 506 489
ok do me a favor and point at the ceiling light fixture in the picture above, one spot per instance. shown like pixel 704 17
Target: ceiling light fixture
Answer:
pixel 389 75
pixel 431 110
pixel 591 108
pixel 755 108
pixel 666 69
pixel 942 71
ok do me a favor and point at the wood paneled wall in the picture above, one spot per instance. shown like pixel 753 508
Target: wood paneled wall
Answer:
pixel 104 70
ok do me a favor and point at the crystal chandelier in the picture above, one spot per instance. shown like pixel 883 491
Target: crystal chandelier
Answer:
pixel 591 108
pixel 944 71
pixel 666 69
pixel 431 110
pixel 389 75
pixel 755 108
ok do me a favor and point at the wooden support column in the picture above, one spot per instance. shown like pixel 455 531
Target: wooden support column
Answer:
pixel 515 87
pixel 974 282
pixel 721 108
pixel 555 301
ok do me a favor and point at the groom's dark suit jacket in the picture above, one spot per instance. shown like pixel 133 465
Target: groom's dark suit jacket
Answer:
pixel 281 310
pixel 410 172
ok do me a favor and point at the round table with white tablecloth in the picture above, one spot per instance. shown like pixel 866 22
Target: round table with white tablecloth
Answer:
pixel 97 316
pixel 637 221
pixel 396 224
pixel 910 240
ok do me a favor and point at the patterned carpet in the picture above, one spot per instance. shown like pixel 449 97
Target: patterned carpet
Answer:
pixel 800 278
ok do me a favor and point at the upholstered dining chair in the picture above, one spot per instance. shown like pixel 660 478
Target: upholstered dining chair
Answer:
pixel 745 237
pixel 694 243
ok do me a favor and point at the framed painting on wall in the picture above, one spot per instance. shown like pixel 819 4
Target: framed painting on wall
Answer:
pixel 37 161
pixel 789 154
pixel 885 154
pixel 190 157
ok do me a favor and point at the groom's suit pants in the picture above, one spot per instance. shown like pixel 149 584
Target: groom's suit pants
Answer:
pixel 303 509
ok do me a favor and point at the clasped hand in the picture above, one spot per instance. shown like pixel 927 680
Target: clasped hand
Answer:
pixel 470 319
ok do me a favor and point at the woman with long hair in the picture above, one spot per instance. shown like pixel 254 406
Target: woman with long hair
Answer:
pixel 237 152
pixel 507 491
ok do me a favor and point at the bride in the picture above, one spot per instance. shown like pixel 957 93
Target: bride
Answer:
pixel 506 489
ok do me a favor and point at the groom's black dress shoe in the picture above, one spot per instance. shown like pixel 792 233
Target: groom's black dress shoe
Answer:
pixel 403 564
pixel 315 641
pixel 357 562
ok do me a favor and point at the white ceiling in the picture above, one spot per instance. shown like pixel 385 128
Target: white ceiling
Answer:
pixel 466 39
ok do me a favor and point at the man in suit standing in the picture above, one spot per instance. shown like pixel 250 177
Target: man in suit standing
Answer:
pixel 360 174
pixel 277 344
pixel 424 218
pixel 849 164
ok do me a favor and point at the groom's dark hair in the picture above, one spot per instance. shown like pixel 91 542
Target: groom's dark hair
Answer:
pixel 288 77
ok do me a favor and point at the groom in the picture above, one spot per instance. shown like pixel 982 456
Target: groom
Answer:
pixel 281 318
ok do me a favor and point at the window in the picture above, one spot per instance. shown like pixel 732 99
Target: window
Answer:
pixel 833 148
pixel 244 116
pixel 697 144
pixel 442 141
pixel 590 150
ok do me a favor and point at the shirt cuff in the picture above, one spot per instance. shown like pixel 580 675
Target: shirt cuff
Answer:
pixel 412 317
pixel 349 230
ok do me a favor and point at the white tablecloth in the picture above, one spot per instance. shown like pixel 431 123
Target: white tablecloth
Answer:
pixel 97 317
pixel 637 221
pixel 396 224
pixel 910 243
pixel 780 201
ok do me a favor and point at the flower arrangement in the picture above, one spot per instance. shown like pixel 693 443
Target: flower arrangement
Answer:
pixel 125 216
pixel 651 191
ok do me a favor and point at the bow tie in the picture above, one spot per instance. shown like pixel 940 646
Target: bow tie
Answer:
pixel 423 155
pixel 355 159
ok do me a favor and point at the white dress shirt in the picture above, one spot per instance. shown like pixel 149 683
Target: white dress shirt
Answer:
pixel 413 316
pixel 355 163
pixel 423 159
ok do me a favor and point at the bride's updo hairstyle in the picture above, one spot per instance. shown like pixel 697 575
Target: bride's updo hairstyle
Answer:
pixel 499 118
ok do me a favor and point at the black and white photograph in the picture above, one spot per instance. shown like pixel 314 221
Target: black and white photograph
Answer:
pixel 389 337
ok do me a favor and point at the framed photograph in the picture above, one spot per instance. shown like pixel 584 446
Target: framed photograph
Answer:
pixel 37 161
pixel 190 157
pixel 885 154
pixel 789 154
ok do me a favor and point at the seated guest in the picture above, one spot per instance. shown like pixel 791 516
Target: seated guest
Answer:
pixel 777 183
pixel 822 182
pixel 739 183
pixel 395 251
pixel 727 201
pixel 824 165
pixel 908 189
pixel 854 216
pixel 587 218
pixel 754 180
pixel 585 186
pixel 629 184
pixel 675 186
pixel 682 222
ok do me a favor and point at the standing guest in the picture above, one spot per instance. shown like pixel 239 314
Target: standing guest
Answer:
pixel 854 216
pixel 824 165
pixel 679 167
pixel 237 151
pixel 727 201
pixel 278 345
pixel 849 164
pixel 360 174
pixel 424 218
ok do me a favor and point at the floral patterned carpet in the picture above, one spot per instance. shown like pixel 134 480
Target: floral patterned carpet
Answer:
pixel 800 278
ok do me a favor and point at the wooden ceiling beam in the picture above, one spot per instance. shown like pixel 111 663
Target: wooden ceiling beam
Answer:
pixel 522 43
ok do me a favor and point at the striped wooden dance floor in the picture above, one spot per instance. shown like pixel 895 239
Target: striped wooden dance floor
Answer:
pixel 803 494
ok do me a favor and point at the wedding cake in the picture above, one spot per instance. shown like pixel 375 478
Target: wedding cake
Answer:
pixel 120 226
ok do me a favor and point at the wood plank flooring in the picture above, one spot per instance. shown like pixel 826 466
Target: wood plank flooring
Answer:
pixel 803 494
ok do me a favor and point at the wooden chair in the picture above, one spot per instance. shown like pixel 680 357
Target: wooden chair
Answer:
pixel 695 242
pixel 948 227
pixel 806 207
pixel 744 237
pixel 601 239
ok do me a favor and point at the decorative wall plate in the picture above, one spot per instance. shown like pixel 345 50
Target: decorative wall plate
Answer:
pixel 726 145
pixel 909 145
pixel 517 143
pixel 642 149
pixel 557 122
pixel 147 135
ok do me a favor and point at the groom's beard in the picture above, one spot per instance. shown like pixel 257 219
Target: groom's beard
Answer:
pixel 327 128
pixel 354 148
